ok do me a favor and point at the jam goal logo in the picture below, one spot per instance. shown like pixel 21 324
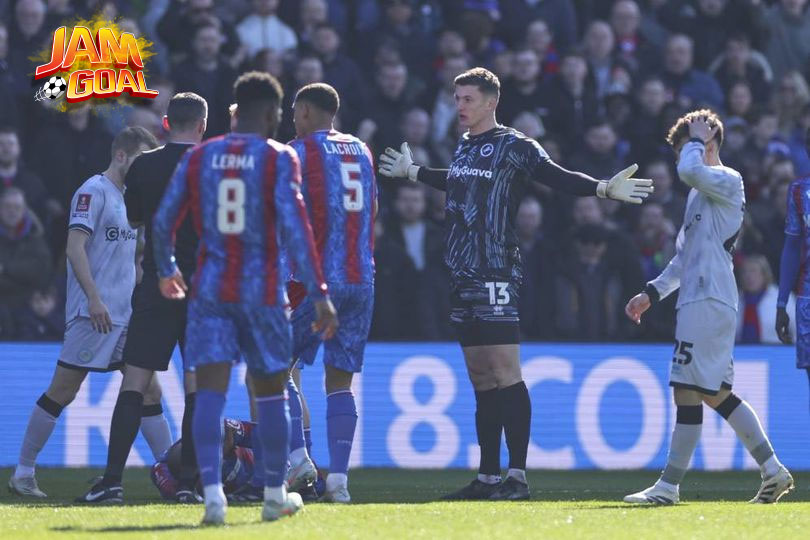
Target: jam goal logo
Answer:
pixel 93 59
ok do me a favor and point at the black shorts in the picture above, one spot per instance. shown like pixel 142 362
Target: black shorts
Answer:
pixel 157 325
pixel 485 312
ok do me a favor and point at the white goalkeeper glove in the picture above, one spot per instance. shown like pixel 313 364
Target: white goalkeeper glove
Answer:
pixel 398 164
pixel 623 188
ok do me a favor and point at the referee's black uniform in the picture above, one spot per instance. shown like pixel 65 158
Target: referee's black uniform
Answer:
pixel 157 324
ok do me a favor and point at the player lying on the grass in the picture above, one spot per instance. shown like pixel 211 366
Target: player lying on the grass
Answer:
pixel 157 325
pixel 793 269
pixel 492 169
pixel 702 369
pixel 100 279
pixel 243 192
pixel 237 462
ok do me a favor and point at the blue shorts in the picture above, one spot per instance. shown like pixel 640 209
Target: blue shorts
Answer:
pixel 221 332
pixel 354 305
pixel 803 333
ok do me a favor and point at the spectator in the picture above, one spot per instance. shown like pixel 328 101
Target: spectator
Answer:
pixel 692 87
pixel 184 15
pixel 740 64
pixel 312 14
pixel 634 46
pixel 598 158
pixel 391 98
pixel 540 39
pixel 78 147
pixel 764 130
pixel 450 44
pixel 308 69
pixel 42 318
pixel 529 124
pixel 790 98
pixel 395 280
pixel 740 100
pixel 647 129
pixel 599 46
pixel 209 76
pixel 415 130
pixel 478 30
pixel 442 102
pixel 9 115
pixel 25 261
pixel 559 14
pixel 756 317
pixel 523 91
pixel 262 29
pixel 588 290
pixel 28 35
pixel 672 202
pixel 343 74
pixel 401 27
pixel 537 254
pixel 569 100
pixel 655 239
pixel 424 244
pixel 13 173
pixel 788 44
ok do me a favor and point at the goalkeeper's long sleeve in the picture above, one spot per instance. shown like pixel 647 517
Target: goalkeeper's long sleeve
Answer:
pixel 433 177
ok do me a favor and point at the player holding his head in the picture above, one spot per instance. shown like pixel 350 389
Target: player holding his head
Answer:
pixel 157 325
pixel 341 195
pixel 100 279
pixel 793 269
pixel 702 367
pixel 492 169
pixel 244 194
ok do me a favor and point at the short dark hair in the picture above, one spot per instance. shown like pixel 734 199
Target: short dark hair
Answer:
pixel 130 140
pixel 256 87
pixel 322 95
pixel 679 132
pixel 186 109
pixel 483 79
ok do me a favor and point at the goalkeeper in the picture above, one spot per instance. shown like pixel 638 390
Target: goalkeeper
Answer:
pixel 491 171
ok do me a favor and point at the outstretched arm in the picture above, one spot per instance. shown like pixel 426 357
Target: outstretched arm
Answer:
pixel 399 164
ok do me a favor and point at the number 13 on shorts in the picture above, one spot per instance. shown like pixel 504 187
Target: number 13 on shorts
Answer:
pixel 498 292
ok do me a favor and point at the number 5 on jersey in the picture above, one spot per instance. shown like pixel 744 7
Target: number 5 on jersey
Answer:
pixel 231 206
pixel 353 198
pixel 498 293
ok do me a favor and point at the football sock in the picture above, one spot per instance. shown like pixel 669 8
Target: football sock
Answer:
pixel 516 416
pixel 489 478
pixel 126 419
pixel 488 427
pixel 155 429
pixel 743 419
pixel 188 459
pixel 257 480
pixel 308 440
pixel 274 431
pixel 208 434
pixel 341 421
pixel 297 441
pixel 517 474
pixel 685 436
pixel 39 429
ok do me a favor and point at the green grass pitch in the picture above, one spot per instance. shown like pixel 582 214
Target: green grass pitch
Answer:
pixel 402 504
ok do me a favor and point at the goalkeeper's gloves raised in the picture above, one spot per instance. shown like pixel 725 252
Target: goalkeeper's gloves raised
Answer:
pixel 623 188
pixel 398 163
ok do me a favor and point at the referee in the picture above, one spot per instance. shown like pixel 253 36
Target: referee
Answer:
pixel 157 324
pixel 491 171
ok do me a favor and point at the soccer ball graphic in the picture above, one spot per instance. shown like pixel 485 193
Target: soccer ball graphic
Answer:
pixel 54 88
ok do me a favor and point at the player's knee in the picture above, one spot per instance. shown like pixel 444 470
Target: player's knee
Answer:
pixel 337 380
pixel 139 380
pixel 153 392
pixel 726 404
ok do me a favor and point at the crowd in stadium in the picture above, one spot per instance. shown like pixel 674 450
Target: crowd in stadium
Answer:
pixel 598 83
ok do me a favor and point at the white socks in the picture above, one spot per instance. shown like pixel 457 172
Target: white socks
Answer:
pixel 155 430
pixel 39 429
pixel 517 474
pixel 336 480
pixel 275 494
pixel 298 455
pixel 214 494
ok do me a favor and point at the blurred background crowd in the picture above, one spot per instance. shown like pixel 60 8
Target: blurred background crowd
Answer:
pixel 596 82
